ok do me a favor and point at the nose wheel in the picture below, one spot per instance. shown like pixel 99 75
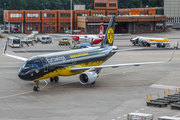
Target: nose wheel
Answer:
pixel 36 87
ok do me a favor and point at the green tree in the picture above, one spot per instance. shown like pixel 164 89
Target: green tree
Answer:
pixel 1 15
pixel 155 3
pixel 17 4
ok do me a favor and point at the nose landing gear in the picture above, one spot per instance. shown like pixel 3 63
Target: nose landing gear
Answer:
pixel 36 87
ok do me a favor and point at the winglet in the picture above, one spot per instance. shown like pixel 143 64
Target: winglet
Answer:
pixel 172 54
pixel 5 48
pixel 16 57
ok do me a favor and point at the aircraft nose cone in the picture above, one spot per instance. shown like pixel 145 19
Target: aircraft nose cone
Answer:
pixel 21 75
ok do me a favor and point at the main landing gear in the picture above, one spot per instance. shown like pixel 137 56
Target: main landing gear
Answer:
pixel 54 79
pixel 36 87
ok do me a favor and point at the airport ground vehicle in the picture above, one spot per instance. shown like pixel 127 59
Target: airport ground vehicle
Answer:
pixel 15 30
pixel 46 39
pixel 168 118
pixel 79 45
pixel 148 41
pixel 64 41
pixel 31 37
pixel 139 116
pixel 14 42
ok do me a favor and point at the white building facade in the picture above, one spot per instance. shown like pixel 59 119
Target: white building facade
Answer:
pixel 172 10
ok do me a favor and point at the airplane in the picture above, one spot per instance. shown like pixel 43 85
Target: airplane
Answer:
pixel 92 39
pixel 86 62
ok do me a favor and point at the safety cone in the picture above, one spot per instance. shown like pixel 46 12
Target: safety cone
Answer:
pixel 158 96
pixel 147 100
pixel 165 94
pixel 169 92
pixel 151 97
pixel 176 91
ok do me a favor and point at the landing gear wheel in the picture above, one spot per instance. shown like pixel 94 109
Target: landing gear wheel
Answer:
pixel 52 79
pixel 56 79
pixel 36 87
pixel 93 83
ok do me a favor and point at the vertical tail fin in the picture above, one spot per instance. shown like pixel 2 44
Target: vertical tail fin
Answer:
pixel 109 36
pixel 101 30
pixel 79 33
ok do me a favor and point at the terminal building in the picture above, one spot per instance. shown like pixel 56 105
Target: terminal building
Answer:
pixel 135 20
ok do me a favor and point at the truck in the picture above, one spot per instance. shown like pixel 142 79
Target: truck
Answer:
pixel 148 41
pixel 139 116
pixel 168 118
pixel 64 41
pixel 31 37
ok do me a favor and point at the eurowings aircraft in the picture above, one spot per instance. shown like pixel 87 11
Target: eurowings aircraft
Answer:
pixel 86 62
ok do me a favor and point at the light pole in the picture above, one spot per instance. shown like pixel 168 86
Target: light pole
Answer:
pixel 71 16
pixel 44 5
pixel 5 6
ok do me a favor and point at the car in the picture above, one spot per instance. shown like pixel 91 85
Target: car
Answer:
pixel 124 31
pixel 46 39
pixel 15 30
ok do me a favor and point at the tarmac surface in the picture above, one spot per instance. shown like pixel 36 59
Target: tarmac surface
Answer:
pixel 117 91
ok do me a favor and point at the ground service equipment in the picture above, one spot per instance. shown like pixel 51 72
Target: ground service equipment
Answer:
pixel 139 116
pixel 148 41
pixel 31 37
pixel 168 118
pixel 64 41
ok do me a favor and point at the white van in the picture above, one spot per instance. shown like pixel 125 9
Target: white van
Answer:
pixel 14 42
pixel 46 39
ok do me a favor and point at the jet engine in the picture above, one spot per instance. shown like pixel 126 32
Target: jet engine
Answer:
pixel 97 40
pixel 88 77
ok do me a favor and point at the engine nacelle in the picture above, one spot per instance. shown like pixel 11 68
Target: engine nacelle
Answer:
pixel 87 77
pixel 97 40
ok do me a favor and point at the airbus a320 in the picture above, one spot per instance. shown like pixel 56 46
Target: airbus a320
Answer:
pixel 86 62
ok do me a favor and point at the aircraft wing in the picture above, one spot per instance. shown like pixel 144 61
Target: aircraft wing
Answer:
pixel 13 56
pixel 76 69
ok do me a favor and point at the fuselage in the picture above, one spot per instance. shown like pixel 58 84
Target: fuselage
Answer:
pixel 60 63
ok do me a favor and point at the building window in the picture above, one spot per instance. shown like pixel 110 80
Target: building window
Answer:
pixel 65 14
pixel 62 29
pixel 100 14
pixel 100 4
pixel 32 15
pixel 112 4
pixel 45 14
pixel 45 29
pixel 121 13
pixel 112 13
pixel 15 15
pixel 49 15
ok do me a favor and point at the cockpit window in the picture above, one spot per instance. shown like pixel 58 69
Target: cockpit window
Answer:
pixel 38 63
pixel 34 64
